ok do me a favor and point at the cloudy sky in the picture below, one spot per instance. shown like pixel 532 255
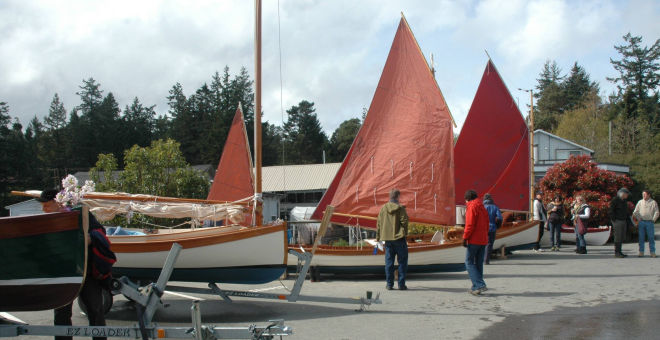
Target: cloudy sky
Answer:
pixel 332 51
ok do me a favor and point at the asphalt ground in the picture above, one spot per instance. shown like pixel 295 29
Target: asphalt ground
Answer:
pixel 546 295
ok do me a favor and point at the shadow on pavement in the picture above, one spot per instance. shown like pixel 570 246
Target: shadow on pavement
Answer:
pixel 629 320
pixel 217 311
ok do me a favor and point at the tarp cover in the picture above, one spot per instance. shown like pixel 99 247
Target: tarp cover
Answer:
pixel 233 179
pixel 406 142
pixel 492 151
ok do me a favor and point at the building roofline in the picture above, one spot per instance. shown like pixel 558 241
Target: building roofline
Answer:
pixel 564 140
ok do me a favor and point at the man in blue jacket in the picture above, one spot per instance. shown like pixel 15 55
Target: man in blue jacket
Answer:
pixel 494 222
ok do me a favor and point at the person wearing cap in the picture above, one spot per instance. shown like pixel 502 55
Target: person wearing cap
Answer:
pixel 619 215
pixel 494 222
pixel 646 212
pixel 91 293
pixel 540 214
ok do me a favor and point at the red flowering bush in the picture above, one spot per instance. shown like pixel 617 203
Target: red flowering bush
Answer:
pixel 581 176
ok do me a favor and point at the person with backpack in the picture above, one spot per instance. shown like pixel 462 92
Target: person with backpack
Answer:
pixel 581 213
pixel 97 276
pixel 555 219
pixel 494 223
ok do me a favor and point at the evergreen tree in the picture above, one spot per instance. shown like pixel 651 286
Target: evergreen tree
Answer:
pixel 558 94
pixel 342 139
pixel 271 142
pixel 577 86
pixel 637 83
pixel 56 118
pixel 305 140
pixel 139 124
pixel 551 74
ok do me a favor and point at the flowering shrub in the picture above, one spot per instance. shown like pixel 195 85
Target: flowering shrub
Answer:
pixel 580 176
pixel 72 194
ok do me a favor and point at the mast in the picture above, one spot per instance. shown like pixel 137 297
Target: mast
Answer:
pixel 258 220
pixel 531 154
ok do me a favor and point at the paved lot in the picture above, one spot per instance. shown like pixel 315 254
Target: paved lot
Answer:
pixel 549 295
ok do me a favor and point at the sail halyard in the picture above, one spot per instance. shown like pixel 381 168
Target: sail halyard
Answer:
pixel 492 151
pixel 406 142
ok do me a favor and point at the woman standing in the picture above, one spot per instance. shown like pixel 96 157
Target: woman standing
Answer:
pixel 555 219
pixel 581 213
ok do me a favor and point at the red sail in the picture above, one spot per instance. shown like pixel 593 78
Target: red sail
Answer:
pixel 492 152
pixel 233 179
pixel 406 142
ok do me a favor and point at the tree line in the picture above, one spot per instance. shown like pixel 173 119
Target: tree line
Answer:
pixel 66 141
pixel 571 106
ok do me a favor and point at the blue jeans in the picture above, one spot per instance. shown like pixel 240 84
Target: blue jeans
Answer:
pixel 489 247
pixel 474 262
pixel 579 239
pixel 398 248
pixel 646 230
pixel 555 234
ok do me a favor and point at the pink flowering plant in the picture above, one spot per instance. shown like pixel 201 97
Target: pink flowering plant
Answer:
pixel 71 193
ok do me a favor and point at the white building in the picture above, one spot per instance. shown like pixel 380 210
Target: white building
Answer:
pixel 29 207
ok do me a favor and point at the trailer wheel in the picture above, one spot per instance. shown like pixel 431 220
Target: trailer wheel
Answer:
pixel 106 298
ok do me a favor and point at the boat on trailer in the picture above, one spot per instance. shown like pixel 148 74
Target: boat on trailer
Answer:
pixel 42 260
pixel 432 176
pixel 406 142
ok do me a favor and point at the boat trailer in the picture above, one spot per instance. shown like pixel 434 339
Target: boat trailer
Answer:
pixel 306 259
pixel 147 300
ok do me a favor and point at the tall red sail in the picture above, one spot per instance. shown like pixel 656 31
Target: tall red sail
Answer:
pixel 406 142
pixel 492 151
pixel 233 179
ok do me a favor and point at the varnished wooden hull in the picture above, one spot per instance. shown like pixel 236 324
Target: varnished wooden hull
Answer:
pixel 422 256
pixel 42 261
pixel 218 254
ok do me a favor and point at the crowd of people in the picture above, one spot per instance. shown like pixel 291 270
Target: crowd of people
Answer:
pixel 483 218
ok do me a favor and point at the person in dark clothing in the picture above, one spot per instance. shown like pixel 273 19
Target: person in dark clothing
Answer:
pixel 619 215
pixel 91 293
pixel 494 222
pixel 555 219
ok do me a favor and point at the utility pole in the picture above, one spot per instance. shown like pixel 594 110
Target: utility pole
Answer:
pixel 531 150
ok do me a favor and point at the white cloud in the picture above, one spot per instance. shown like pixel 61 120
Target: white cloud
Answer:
pixel 333 51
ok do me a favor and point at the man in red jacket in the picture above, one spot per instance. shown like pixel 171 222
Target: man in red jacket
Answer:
pixel 475 239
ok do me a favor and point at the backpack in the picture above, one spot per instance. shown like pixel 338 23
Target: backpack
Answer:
pixel 102 257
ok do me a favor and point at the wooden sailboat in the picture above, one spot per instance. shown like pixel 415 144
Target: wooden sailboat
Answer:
pixel 230 254
pixel 406 142
pixel 42 260
pixel 492 155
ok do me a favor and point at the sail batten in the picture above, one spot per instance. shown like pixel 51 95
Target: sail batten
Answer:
pixel 492 151
pixel 406 142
